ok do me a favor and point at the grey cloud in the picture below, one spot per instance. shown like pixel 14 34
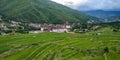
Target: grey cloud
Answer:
pixel 100 4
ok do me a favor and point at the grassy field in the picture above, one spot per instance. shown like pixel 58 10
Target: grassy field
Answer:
pixel 60 46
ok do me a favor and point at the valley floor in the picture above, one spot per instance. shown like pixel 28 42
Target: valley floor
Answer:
pixel 61 46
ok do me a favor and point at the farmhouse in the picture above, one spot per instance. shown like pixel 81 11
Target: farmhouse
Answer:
pixel 0 17
pixel 34 31
pixel 14 23
pixel 95 27
pixel 34 25
pixel 3 27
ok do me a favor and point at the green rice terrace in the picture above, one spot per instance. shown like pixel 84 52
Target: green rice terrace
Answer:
pixel 61 46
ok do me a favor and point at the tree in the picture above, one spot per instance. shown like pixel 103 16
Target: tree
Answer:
pixel 106 50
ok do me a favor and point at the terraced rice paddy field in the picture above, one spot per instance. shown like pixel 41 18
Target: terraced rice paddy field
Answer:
pixel 60 46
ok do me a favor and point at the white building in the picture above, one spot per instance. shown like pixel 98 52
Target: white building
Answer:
pixel 34 32
pixel 60 30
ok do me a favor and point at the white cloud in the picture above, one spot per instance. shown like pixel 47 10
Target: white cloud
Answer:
pixel 91 4
pixel 71 3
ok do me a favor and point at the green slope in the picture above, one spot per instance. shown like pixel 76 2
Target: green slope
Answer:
pixel 60 46
pixel 41 11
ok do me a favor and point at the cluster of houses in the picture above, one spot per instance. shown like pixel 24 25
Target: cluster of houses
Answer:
pixel 14 23
pixel 59 28
pixel 2 27
pixel 51 27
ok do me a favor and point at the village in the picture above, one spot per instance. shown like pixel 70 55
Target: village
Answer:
pixel 18 27
pixel 59 28
pixel 14 26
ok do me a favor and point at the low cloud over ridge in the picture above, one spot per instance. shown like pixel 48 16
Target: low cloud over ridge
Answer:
pixel 91 4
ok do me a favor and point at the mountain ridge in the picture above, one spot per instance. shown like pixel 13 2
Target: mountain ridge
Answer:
pixel 40 11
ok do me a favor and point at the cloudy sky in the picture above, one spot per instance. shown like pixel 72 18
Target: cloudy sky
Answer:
pixel 91 4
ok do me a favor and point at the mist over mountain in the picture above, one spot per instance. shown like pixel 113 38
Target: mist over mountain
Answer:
pixel 102 14
pixel 40 11
pixel 86 5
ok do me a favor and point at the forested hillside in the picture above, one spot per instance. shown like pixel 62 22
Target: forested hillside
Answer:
pixel 40 11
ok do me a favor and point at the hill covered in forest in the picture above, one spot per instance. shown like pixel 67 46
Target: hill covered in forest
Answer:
pixel 40 11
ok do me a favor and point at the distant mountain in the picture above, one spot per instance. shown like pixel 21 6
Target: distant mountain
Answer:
pixel 40 11
pixel 102 14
